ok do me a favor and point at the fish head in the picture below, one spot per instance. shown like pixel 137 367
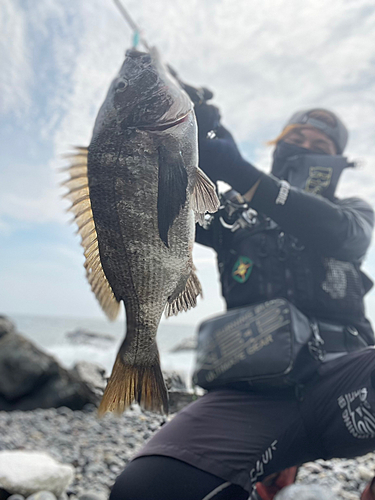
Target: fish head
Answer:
pixel 145 95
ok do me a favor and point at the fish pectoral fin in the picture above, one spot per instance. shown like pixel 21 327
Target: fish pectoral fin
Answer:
pixel 143 383
pixel 187 298
pixel 172 185
pixel 204 198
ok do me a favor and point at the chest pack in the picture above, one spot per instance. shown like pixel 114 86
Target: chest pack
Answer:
pixel 259 262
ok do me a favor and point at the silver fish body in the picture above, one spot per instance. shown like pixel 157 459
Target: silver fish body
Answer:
pixel 144 191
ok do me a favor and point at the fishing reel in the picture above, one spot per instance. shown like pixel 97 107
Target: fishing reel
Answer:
pixel 234 211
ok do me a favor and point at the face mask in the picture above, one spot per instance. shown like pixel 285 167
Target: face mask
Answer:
pixel 315 173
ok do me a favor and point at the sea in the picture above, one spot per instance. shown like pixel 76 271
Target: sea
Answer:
pixel 52 335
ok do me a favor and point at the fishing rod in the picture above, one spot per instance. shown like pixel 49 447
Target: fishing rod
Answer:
pixel 197 95
pixel 137 37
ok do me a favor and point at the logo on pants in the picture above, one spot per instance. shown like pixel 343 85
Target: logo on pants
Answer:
pixel 357 414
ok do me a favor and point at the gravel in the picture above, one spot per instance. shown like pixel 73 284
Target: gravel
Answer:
pixel 100 449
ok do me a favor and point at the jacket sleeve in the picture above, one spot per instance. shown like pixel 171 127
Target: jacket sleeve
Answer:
pixel 204 236
pixel 340 229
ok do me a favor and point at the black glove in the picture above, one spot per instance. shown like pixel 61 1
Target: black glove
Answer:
pixel 208 116
pixel 219 158
pixel 197 94
pixel 208 119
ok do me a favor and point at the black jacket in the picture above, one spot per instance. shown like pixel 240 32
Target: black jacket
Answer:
pixel 308 250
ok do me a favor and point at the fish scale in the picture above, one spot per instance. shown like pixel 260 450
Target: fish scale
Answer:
pixel 136 192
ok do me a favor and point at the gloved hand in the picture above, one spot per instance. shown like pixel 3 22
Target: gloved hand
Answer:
pixel 208 118
pixel 219 158
pixel 196 94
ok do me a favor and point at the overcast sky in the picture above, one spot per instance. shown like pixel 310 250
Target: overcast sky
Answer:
pixel 263 59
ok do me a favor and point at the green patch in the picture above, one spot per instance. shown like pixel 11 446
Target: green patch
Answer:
pixel 242 269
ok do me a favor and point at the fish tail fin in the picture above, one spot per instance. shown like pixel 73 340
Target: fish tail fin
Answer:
pixel 143 383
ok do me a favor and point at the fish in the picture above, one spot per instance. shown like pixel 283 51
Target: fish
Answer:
pixel 136 194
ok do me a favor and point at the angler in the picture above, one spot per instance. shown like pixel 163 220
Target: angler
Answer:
pixel 289 254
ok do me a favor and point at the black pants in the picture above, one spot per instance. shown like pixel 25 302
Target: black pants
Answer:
pixel 241 437
pixel 164 478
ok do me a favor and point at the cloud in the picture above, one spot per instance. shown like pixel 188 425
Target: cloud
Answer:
pixel 17 72
pixel 263 60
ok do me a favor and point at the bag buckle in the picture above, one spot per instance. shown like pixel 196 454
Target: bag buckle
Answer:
pixel 316 343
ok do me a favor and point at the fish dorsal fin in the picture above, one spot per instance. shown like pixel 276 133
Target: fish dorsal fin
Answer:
pixel 172 184
pixel 187 298
pixel 79 195
pixel 204 198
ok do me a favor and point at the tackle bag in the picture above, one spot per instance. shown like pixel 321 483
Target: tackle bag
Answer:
pixel 271 344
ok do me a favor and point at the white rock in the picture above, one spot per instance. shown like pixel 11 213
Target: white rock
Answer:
pixel 27 472
pixel 365 473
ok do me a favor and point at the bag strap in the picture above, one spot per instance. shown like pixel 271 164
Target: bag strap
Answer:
pixel 316 343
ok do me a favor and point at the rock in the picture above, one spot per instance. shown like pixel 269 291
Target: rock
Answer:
pixel 189 344
pixel 16 496
pixel 305 492
pixel 30 378
pixel 180 399
pixel 92 375
pixel 22 366
pixel 42 495
pixel 28 472
pixel 81 336
pixel 174 382
pixel 313 468
pixel 6 326
pixel 92 495
pixel 365 473
pixel 179 396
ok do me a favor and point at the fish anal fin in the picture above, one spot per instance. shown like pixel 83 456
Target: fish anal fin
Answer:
pixel 127 384
pixel 203 198
pixel 187 298
pixel 79 194
pixel 172 185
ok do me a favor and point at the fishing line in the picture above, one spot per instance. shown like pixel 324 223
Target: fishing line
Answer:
pixel 137 37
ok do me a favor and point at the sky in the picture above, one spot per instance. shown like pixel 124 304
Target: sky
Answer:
pixel 263 61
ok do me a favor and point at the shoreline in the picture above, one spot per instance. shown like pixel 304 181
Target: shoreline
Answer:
pixel 99 449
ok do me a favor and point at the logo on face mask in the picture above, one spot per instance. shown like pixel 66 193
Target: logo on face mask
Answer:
pixel 319 179
pixel 242 269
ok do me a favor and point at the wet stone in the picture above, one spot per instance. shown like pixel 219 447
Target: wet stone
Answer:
pixel 42 495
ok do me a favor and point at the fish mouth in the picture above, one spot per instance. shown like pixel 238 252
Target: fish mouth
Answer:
pixel 166 125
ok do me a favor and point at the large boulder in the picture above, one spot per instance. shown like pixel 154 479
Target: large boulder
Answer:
pixel 27 472
pixel 6 326
pixel 82 336
pixel 92 375
pixel 30 378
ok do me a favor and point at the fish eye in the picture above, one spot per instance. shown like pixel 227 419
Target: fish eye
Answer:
pixel 121 86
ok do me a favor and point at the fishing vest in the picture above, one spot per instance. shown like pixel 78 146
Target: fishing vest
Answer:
pixel 261 262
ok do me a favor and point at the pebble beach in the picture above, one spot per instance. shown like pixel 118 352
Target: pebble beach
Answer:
pixel 99 449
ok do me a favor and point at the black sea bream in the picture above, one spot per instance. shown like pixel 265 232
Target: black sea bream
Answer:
pixel 136 192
